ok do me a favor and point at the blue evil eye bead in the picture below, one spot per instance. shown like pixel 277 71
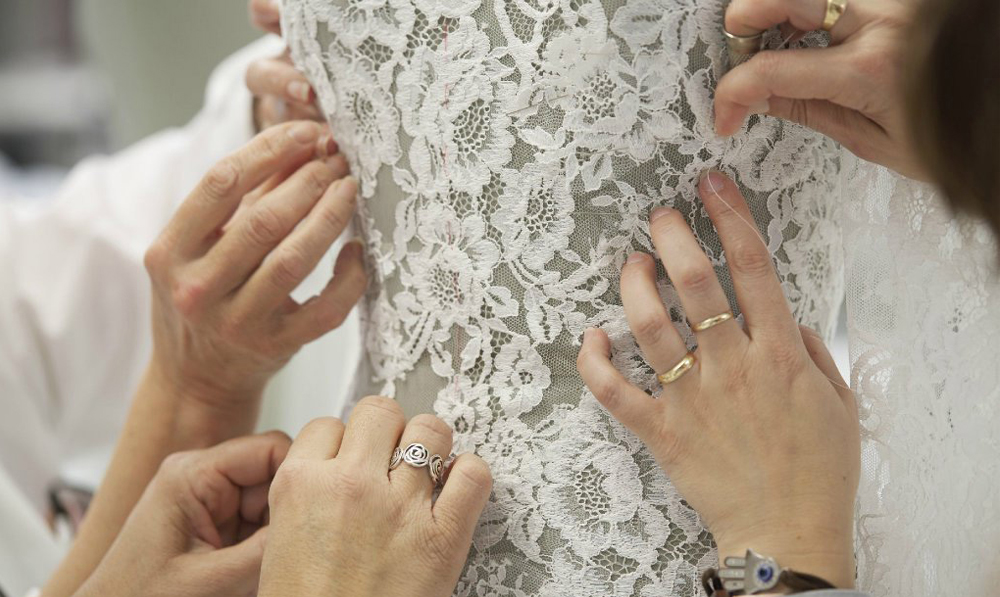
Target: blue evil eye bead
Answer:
pixel 765 573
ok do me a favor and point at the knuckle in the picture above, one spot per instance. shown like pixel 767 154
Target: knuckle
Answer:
pixel 291 266
pixel 334 217
pixel 175 464
pixel 287 482
pixel 324 424
pixel 670 445
pixel 750 259
pixel 650 327
pixel 474 471
pixel 441 542
pixel 426 424
pixel 317 178
pixel 786 358
pixel 264 226
pixel 696 278
pixel 188 297
pixel 607 390
pixel 382 406
pixel 156 258
pixel 221 179
pixel 269 146
pixel 349 486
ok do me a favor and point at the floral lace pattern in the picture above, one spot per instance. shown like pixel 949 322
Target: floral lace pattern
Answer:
pixel 924 312
pixel 508 153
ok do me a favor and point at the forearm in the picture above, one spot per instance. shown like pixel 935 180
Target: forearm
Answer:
pixel 162 420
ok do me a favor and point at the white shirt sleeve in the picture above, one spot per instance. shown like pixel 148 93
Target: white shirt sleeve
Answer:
pixel 74 298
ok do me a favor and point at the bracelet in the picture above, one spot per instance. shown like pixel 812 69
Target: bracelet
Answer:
pixel 753 574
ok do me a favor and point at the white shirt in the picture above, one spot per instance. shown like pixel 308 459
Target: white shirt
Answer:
pixel 74 312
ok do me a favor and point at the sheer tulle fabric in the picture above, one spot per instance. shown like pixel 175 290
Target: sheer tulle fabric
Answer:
pixel 508 154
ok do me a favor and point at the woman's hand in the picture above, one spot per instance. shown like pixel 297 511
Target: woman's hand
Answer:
pixel 851 91
pixel 223 270
pixel 198 530
pixel 343 525
pixel 761 435
pixel 281 93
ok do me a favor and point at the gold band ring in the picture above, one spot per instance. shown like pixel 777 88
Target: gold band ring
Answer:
pixel 678 371
pixel 834 10
pixel 711 322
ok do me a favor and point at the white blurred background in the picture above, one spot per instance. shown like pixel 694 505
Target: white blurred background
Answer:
pixel 79 77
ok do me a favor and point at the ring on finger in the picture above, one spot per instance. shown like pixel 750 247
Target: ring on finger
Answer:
pixel 834 10
pixel 678 370
pixel 711 322
pixel 417 456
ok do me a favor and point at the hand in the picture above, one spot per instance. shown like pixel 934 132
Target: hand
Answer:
pixel 281 93
pixel 761 435
pixel 198 530
pixel 223 270
pixel 343 526
pixel 851 91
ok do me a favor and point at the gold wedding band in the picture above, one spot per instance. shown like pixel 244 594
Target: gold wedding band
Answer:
pixel 711 322
pixel 834 10
pixel 678 371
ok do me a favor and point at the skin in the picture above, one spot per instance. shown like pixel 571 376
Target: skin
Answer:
pixel 199 529
pixel 223 321
pixel 764 412
pixel 281 92
pixel 850 91
pixel 342 527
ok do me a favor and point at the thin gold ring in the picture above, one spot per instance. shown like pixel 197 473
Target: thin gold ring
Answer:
pixel 678 370
pixel 834 10
pixel 711 322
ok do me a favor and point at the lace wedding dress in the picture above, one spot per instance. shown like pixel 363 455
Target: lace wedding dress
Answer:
pixel 508 154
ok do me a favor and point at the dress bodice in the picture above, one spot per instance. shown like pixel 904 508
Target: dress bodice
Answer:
pixel 508 154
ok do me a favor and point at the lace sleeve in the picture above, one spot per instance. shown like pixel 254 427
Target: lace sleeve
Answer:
pixel 923 302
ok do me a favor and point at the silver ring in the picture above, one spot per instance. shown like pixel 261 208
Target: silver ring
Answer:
pixel 436 469
pixel 416 455
pixel 396 459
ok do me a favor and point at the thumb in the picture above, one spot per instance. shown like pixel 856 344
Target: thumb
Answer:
pixel 238 566
pixel 821 356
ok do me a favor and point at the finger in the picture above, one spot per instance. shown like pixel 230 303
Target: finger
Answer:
pixel 821 356
pixel 218 195
pixel 299 254
pixel 237 567
pixel 647 317
pixel 749 17
pixel 320 439
pixel 328 310
pixel 693 275
pixel 273 110
pixel 631 406
pixel 279 78
pixel 244 246
pixel 463 497
pixel 253 504
pixel 372 433
pixel 755 280
pixel 844 125
pixel 336 162
pixel 248 461
pixel 806 73
pixel 266 15
pixel 435 436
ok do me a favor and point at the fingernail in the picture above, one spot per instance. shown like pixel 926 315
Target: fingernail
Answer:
pixel 304 132
pixel 637 257
pixel 712 181
pixel 327 147
pixel 300 90
pixel 761 107
pixel 588 334
pixel 659 212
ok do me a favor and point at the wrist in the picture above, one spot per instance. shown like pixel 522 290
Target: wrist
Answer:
pixel 203 415
pixel 824 552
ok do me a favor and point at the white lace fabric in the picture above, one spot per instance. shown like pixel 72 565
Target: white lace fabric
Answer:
pixel 923 299
pixel 508 154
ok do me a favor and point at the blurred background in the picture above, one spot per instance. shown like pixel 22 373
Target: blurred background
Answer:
pixel 85 76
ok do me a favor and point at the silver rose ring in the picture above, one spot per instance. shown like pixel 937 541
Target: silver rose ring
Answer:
pixel 417 456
